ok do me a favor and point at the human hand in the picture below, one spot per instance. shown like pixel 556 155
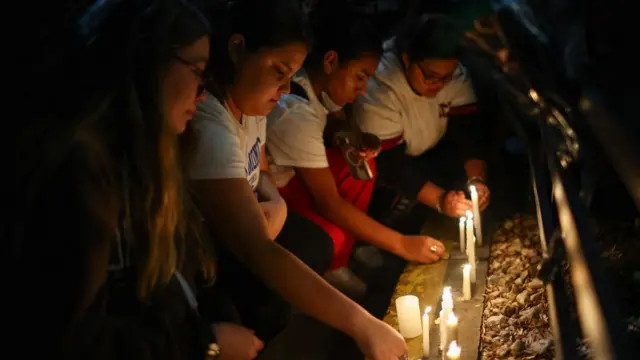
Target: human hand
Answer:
pixel 455 204
pixel 368 154
pixel 423 249
pixel 275 212
pixel 379 341
pixel 484 194
pixel 236 342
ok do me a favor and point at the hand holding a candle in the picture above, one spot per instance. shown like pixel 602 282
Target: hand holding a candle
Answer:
pixel 455 204
pixel 423 249
pixel 483 194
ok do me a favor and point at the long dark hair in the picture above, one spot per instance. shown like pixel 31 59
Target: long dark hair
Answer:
pixel 113 74
pixel 428 36
pixel 262 23
pixel 338 27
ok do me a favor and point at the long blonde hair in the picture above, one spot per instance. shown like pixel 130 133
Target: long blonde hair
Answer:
pixel 143 143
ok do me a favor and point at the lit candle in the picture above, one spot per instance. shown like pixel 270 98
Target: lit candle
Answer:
pixel 469 230
pixel 466 282
pixel 447 308
pixel 425 332
pixel 461 230
pixel 476 214
pixel 408 308
pixel 472 258
pixel 454 351
pixel 447 298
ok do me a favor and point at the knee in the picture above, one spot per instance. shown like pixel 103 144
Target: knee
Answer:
pixel 308 241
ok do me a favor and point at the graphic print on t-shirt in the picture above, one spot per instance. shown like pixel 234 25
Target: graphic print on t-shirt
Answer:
pixel 253 164
pixel 444 110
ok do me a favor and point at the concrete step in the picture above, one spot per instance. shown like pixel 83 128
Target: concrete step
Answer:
pixel 427 281
pixel 308 339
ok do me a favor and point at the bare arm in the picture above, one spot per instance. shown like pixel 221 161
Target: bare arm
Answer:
pixel 332 206
pixel 232 211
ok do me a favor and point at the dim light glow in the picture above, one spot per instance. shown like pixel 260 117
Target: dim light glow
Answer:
pixel 452 320
pixel 454 350
pixel 466 269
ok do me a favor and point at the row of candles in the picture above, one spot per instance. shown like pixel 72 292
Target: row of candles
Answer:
pixel 408 307
pixel 470 233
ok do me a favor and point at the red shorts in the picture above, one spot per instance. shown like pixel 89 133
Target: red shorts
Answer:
pixel 357 192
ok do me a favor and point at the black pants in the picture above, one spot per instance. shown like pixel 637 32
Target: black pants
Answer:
pixel 442 165
pixel 258 306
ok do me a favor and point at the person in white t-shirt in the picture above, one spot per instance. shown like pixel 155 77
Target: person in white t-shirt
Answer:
pixel 264 45
pixel 310 170
pixel 418 85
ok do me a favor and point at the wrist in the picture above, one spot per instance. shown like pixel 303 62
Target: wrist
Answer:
pixel 476 180
pixel 357 322
pixel 476 168
pixel 440 201
pixel 398 243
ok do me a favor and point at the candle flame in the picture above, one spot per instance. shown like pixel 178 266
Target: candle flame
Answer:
pixel 534 95
pixel 469 215
pixel 466 268
pixel 452 319
pixel 472 188
pixel 462 220
pixel 454 349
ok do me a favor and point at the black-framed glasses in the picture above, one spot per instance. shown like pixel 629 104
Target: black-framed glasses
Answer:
pixel 203 79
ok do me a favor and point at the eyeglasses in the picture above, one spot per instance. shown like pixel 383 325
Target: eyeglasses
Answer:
pixel 429 77
pixel 203 79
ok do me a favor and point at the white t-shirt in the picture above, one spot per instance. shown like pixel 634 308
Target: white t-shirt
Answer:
pixel 296 128
pixel 391 108
pixel 226 148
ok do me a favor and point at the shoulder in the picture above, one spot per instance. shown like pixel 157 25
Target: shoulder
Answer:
pixel 460 89
pixel 213 121
pixel 211 113
pixel 294 112
pixel 387 84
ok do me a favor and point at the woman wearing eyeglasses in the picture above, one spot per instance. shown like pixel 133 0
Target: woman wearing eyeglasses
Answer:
pixel 418 85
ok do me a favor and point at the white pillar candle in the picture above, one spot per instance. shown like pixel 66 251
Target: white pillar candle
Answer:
pixel 469 230
pixel 466 282
pixel 472 258
pixel 408 308
pixel 425 332
pixel 453 353
pixel 476 214
pixel 461 229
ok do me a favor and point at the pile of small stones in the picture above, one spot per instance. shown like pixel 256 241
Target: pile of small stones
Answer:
pixel 515 316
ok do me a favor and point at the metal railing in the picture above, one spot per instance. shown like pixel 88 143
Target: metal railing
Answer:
pixel 558 133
